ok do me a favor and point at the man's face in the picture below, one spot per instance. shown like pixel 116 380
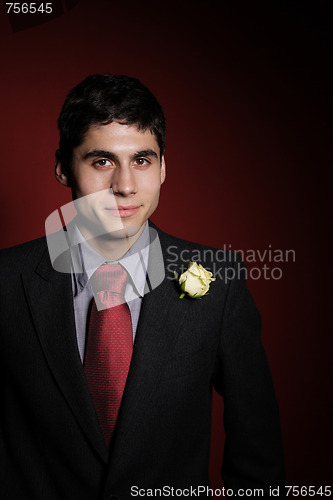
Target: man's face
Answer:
pixel 122 159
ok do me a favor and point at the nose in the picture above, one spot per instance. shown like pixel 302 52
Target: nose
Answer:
pixel 123 181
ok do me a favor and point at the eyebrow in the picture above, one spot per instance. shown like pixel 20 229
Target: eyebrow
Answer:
pixel 95 153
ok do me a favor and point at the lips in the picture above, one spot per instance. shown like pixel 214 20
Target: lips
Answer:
pixel 124 211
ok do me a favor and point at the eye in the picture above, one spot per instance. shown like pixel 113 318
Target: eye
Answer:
pixel 103 162
pixel 141 162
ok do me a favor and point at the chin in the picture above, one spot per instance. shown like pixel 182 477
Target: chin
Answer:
pixel 132 230
pixel 121 233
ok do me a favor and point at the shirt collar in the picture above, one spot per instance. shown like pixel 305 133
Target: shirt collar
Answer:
pixel 86 260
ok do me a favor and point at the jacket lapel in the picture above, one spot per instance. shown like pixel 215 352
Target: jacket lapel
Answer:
pixel 161 317
pixel 50 297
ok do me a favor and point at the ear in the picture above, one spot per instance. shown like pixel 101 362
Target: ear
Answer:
pixel 60 172
pixel 163 169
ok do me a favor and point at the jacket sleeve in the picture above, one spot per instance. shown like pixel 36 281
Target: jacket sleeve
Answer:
pixel 253 455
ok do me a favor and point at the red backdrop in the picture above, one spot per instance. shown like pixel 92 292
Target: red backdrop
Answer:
pixel 245 91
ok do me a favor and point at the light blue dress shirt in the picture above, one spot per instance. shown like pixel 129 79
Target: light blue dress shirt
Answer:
pixel 135 261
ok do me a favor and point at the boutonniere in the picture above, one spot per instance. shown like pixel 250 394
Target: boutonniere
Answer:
pixel 195 281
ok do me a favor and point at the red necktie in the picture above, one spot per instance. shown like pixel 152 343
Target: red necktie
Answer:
pixel 109 344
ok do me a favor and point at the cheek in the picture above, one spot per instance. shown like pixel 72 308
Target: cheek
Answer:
pixel 151 194
pixel 88 183
pixel 150 186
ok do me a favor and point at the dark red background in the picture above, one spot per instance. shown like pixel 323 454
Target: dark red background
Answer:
pixel 246 93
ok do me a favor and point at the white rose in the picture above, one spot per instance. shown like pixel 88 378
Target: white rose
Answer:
pixel 195 281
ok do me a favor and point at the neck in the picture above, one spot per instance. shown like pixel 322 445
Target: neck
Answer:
pixel 109 246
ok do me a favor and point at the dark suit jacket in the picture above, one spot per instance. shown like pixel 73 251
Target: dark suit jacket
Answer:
pixel 51 444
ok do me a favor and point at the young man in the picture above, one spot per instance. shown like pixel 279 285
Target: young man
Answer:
pixel 86 417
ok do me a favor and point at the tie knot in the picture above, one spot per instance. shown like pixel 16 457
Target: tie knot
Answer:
pixel 108 284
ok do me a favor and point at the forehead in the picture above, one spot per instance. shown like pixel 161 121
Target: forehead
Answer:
pixel 117 137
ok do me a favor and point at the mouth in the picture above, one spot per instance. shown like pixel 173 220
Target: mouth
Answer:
pixel 123 211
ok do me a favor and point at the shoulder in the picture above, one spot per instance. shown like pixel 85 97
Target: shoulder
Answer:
pixel 175 249
pixel 225 265
pixel 22 257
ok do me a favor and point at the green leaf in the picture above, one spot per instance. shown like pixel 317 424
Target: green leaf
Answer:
pixel 182 286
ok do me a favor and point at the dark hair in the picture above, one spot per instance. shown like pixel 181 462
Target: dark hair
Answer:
pixel 103 99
